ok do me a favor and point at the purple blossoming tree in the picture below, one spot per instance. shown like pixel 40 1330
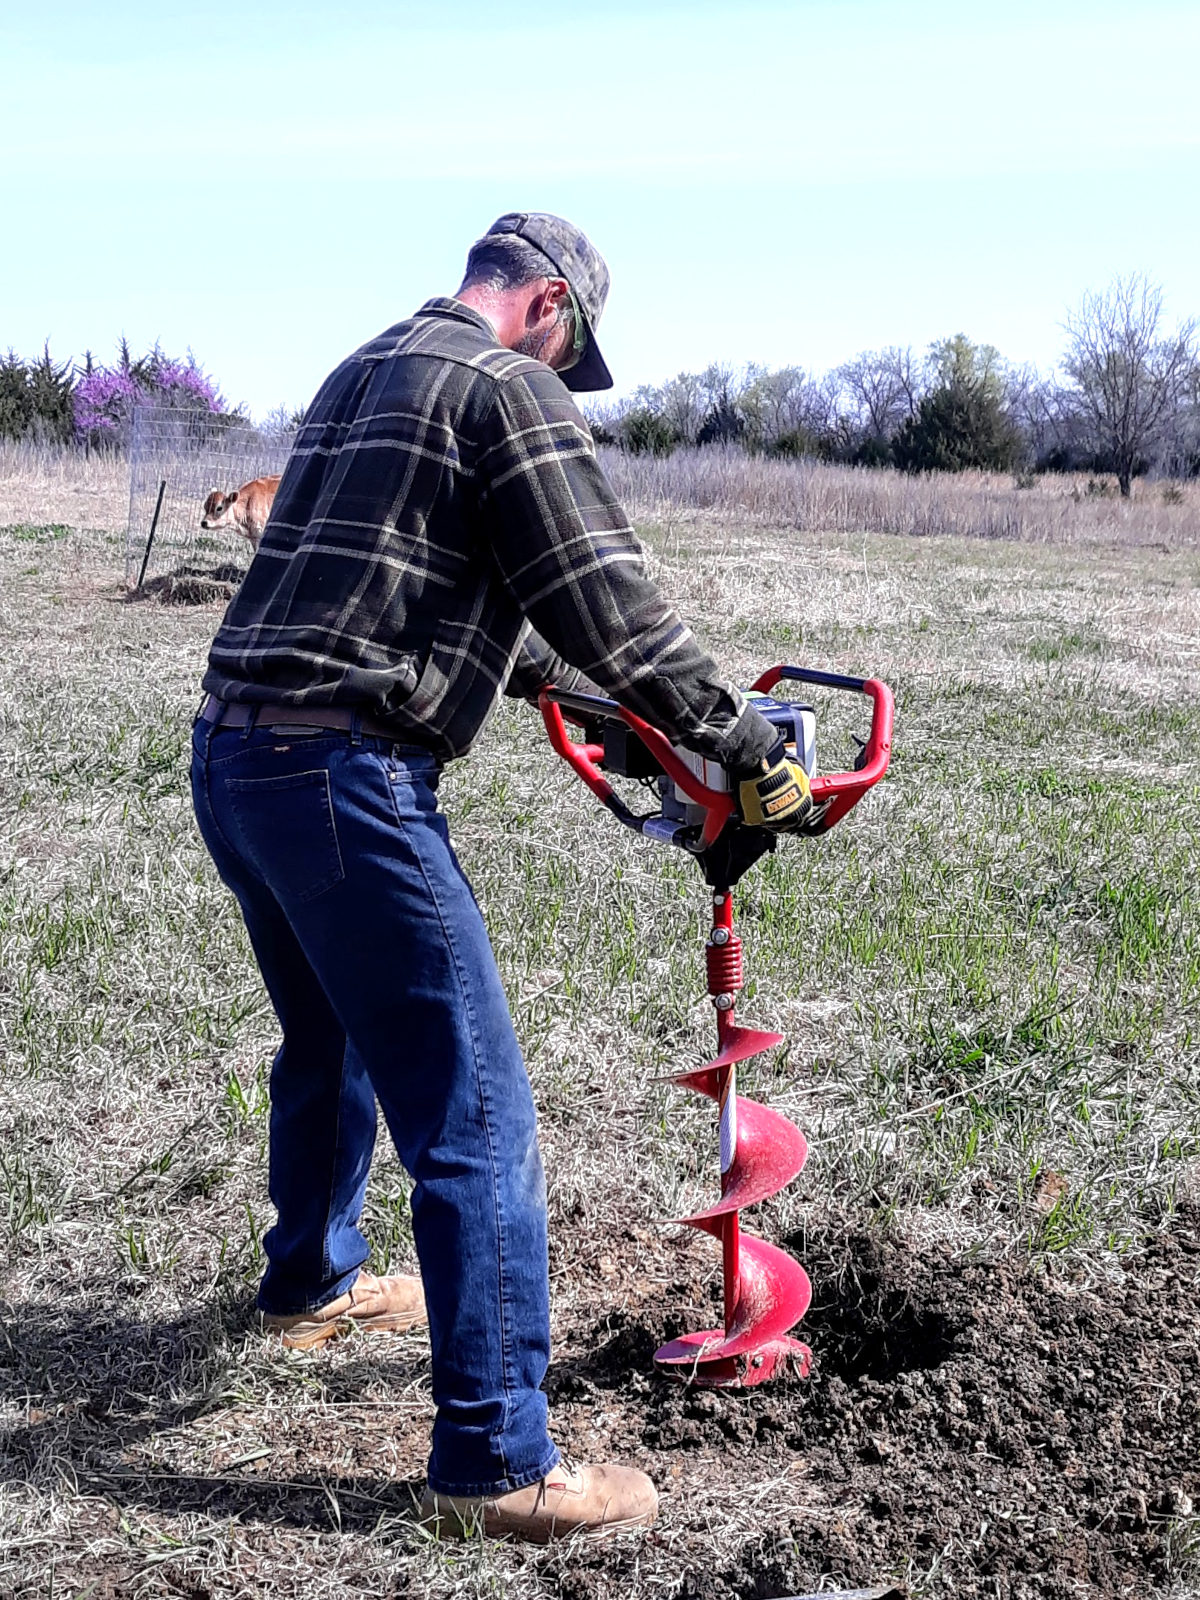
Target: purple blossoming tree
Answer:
pixel 106 397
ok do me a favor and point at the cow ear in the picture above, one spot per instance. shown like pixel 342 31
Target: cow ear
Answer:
pixel 233 497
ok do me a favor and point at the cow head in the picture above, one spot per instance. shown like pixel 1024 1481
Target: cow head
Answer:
pixel 217 508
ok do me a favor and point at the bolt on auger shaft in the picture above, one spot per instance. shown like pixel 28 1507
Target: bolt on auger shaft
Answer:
pixel 766 1291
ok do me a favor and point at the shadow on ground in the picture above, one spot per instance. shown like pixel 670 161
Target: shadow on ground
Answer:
pixel 97 1385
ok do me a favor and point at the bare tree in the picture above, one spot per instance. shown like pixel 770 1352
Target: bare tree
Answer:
pixel 882 387
pixel 721 384
pixel 774 402
pixel 1129 377
pixel 682 404
pixel 823 418
pixel 1046 418
pixel 1179 453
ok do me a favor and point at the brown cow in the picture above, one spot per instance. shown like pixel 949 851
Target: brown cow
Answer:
pixel 245 510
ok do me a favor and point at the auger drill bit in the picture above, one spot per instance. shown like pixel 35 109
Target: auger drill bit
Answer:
pixel 766 1291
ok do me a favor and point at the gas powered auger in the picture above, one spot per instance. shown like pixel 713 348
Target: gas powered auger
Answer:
pixel 766 1290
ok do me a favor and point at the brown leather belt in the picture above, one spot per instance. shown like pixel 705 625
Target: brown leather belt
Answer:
pixel 224 714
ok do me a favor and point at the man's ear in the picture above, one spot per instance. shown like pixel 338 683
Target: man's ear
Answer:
pixel 535 309
pixel 546 302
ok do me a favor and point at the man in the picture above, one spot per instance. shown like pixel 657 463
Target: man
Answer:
pixel 442 532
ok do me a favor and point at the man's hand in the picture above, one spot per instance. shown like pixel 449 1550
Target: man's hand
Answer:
pixel 776 795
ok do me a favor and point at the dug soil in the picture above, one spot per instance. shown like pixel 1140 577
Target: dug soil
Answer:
pixel 1010 1433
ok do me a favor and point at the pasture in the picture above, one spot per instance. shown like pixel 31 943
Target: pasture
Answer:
pixel 989 983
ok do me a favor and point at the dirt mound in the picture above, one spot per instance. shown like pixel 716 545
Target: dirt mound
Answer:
pixel 1020 1436
pixel 191 586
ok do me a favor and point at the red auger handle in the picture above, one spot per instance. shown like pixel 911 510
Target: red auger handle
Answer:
pixel 584 760
pixel 839 791
pixel 843 790
pixel 717 803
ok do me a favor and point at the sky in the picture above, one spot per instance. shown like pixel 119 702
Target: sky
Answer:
pixel 270 185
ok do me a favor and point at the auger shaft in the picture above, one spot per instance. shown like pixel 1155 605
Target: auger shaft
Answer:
pixel 724 963
pixel 731 1228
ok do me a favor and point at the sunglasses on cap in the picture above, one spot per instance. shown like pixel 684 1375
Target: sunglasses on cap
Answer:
pixel 580 339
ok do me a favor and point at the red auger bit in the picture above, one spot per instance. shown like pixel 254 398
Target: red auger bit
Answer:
pixel 766 1290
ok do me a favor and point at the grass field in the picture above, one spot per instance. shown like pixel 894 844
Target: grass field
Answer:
pixel 989 983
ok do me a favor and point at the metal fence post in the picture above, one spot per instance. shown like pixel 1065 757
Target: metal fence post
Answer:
pixel 162 489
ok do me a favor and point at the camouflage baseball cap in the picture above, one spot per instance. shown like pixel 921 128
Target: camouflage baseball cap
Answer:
pixel 584 268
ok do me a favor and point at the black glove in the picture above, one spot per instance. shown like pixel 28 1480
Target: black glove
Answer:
pixel 734 852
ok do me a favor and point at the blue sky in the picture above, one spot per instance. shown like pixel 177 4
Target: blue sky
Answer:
pixel 272 184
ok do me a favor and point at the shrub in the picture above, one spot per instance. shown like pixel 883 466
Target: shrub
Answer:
pixel 36 398
pixel 644 433
pixel 963 421
pixel 872 452
pixel 792 444
pixel 104 403
pixel 14 397
pixel 51 398
pixel 724 424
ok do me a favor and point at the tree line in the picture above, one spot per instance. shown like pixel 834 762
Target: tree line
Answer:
pixel 92 404
pixel 1126 401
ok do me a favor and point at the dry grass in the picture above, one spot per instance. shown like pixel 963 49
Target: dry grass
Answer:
pixel 49 485
pixel 811 497
pixel 991 972
pixel 45 485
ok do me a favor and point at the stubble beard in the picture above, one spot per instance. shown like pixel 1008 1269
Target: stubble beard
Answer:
pixel 532 344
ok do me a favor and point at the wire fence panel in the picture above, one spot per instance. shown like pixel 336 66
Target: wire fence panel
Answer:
pixel 177 458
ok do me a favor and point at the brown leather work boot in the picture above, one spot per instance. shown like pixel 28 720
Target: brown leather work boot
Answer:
pixel 376 1305
pixel 592 1501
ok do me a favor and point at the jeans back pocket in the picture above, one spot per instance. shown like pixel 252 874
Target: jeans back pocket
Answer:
pixel 287 826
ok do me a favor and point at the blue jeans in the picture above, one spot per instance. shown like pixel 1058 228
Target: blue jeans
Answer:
pixel 378 965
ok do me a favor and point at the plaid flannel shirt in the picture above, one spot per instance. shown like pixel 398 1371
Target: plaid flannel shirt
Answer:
pixel 443 529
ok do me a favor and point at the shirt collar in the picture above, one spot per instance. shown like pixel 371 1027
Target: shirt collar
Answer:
pixel 443 305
